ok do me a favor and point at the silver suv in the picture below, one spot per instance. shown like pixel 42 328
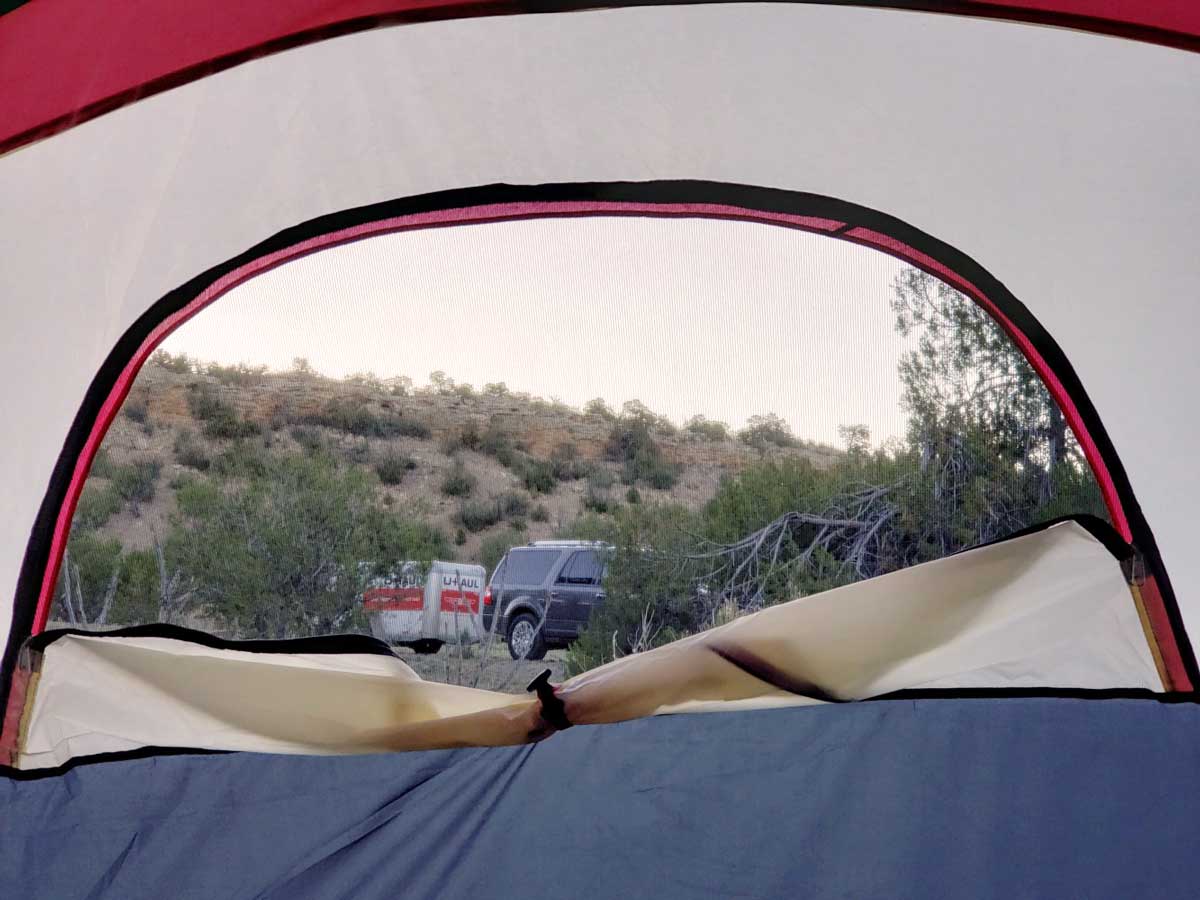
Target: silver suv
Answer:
pixel 544 594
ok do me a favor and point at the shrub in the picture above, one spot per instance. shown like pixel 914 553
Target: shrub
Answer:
pixel 351 415
pixel 245 459
pixel 513 504
pixel 654 471
pixel 97 505
pixel 308 437
pixel 180 365
pixel 460 537
pixel 458 481
pixel 497 442
pixel 537 475
pixel 598 409
pixel 466 438
pixel 392 469
pixel 495 389
pixel 220 418
pixel 136 408
pixel 630 442
pixel 598 501
pixel 359 452
pixel 601 479
pixel 566 464
pixel 479 515
pixel 102 465
pixel 706 429
pixel 632 495
pixel 540 513
pixel 190 453
pixel 239 374
pixel 766 431
pixel 135 482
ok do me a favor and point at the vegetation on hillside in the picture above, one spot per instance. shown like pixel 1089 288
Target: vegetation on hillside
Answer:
pixel 278 516
pixel 987 453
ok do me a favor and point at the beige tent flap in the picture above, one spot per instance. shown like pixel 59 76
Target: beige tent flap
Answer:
pixel 1050 609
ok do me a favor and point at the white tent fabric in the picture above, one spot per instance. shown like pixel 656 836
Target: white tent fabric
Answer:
pixel 1050 609
pixel 1065 163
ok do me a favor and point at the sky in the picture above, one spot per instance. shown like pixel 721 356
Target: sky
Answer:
pixel 724 319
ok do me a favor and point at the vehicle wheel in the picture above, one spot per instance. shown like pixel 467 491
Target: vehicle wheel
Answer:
pixel 524 639
pixel 427 645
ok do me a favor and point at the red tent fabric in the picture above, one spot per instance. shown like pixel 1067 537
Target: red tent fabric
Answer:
pixel 63 62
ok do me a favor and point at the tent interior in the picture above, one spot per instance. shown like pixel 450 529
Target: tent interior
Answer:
pixel 834 361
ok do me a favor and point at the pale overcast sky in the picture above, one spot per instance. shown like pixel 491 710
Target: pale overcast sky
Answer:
pixel 689 316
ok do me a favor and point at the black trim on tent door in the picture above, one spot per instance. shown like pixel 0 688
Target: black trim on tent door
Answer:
pixel 749 198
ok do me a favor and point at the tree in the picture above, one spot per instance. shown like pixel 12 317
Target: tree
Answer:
pixel 987 453
pixel 966 374
pixel 766 431
pixel 286 553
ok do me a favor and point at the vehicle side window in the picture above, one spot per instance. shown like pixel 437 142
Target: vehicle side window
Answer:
pixel 530 566
pixel 582 568
pixel 498 576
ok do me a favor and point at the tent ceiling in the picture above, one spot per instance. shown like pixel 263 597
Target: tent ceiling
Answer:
pixel 105 56
pixel 1065 163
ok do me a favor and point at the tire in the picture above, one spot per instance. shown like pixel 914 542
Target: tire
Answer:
pixel 522 631
pixel 427 646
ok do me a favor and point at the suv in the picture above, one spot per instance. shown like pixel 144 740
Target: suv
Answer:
pixel 558 580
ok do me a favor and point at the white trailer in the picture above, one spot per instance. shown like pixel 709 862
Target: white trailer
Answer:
pixel 424 608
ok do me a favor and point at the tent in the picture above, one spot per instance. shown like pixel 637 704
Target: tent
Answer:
pixel 1015 719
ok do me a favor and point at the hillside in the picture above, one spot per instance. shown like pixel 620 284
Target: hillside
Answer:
pixel 448 455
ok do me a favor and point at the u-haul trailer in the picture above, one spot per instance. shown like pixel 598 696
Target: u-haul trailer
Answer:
pixel 424 608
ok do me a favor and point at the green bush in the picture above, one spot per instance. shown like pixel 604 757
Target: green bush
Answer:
pixel 351 415
pixel 220 418
pixel 136 409
pixel 135 481
pixel 630 443
pixel 632 495
pixel 102 465
pixel 189 452
pixel 391 469
pixel 767 431
pixel 598 501
pixel 458 481
pixel 706 429
pixel 244 459
pixel 598 409
pixel 239 374
pixel 97 505
pixel 479 515
pixel 180 365
pixel 359 452
pixel 460 537
pixel 537 475
pixel 566 465
pixel 513 504
pixel 540 513
pixel 495 441
pixel 466 438
pixel 309 437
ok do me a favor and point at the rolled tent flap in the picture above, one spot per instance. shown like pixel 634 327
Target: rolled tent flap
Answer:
pixel 1050 609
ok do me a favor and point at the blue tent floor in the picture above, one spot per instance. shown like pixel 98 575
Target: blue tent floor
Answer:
pixel 950 798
